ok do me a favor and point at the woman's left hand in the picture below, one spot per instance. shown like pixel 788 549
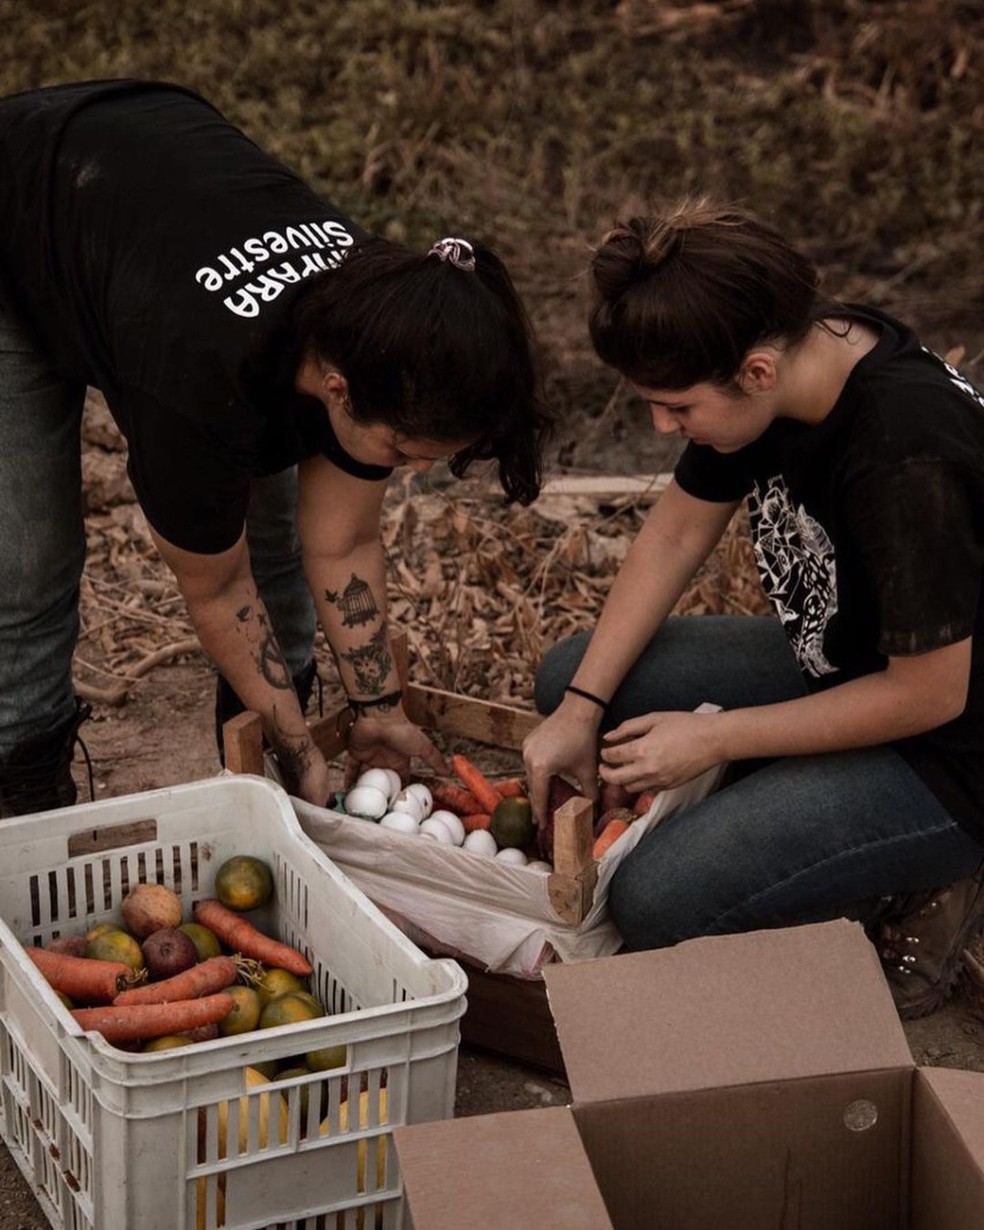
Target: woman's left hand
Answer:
pixel 389 741
pixel 658 750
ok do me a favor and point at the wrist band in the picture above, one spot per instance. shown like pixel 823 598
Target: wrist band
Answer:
pixel 602 704
pixel 359 707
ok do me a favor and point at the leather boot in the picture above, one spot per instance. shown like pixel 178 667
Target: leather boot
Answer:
pixel 37 774
pixel 228 704
pixel 922 941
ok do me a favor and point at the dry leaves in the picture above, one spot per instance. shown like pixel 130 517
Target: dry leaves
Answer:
pixel 481 589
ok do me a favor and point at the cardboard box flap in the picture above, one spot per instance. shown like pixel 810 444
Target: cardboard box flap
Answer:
pixel 518 1168
pixel 947 1149
pixel 726 1010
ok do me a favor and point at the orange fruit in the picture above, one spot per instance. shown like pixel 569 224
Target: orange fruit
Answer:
pixel 276 981
pixel 116 946
pixel 512 824
pixel 205 941
pixel 289 1009
pixel 246 1013
pixel 167 1043
pixel 102 928
pixel 244 883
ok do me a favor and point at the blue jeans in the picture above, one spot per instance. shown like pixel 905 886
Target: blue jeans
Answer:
pixel 791 840
pixel 42 543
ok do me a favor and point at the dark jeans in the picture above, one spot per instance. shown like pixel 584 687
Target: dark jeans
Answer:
pixel 791 840
pixel 42 544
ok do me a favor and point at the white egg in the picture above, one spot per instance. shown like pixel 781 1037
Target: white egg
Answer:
pixel 537 864
pixel 453 823
pixel 400 822
pixel 512 855
pixel 405 801
pixel 420 791
pixel 395 785
pixel 438 830
pixel 379 779
pixel 480 841
pixel 365 801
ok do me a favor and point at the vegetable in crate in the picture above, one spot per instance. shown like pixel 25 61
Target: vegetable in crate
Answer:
pixel 148 908
pixel 83 979
pixel 138 1022
pixel 240 935
pixel 205 978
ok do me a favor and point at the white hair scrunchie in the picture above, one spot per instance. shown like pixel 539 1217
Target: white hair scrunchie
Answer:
pixel 458 251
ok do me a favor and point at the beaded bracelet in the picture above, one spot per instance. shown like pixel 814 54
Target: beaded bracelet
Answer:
pixel 359 707
pixel 602 704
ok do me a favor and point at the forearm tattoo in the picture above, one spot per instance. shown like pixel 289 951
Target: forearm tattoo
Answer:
pixel 267 653
pixel 355 601
pixel 371 664
pixel 293 757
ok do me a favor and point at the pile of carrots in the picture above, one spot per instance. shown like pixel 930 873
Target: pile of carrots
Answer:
pixel 476 798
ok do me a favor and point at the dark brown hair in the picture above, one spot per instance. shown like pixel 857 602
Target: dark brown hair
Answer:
pixel 680 298
pixel 432 350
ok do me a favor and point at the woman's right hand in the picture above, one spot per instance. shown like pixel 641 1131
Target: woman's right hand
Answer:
pixel 565 742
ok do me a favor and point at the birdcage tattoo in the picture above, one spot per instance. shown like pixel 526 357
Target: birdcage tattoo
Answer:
pixel 357 604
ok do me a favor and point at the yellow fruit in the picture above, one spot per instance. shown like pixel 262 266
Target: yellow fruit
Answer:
pixel 244 883
pixel 276 981
pixel 245 1015
pixel 167 1043
pixel 102 928
pixel 326 1058
pixel 116 946
pixel 288 1009
pixel 362 1150
pixel 512 824
pixel 261 1140
pixel 205 941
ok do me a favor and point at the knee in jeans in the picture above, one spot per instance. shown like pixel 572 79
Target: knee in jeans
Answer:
pixel 645 909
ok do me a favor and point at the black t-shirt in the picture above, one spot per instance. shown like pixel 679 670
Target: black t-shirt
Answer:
pixel 151 247
pixel 869 535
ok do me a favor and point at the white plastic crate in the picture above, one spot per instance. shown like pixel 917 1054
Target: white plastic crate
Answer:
pixel 111 1140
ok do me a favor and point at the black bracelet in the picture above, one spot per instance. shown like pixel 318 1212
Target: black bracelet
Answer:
pixel 602 704
pixel 359 707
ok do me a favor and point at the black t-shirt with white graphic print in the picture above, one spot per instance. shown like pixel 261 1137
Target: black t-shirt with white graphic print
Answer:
pixel 869 535
pixel 150 247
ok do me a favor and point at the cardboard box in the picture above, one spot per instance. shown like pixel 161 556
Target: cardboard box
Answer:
pixel 749 1082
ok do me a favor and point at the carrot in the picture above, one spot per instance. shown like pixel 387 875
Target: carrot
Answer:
pixel 83 978
pixel 612 831
pixel 455 798
pixel 241 936
pixel 138 1022
pixel 476 781
pixel 644 802
pixel 205 978
pixel 511 788
pixel 478 820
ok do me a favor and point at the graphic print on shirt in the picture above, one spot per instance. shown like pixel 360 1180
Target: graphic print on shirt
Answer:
pixel 311 247
pixel 796 564
pixel 957 378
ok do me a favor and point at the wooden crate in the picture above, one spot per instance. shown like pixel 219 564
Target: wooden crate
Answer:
pixel 505 1014
pixel 570 884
